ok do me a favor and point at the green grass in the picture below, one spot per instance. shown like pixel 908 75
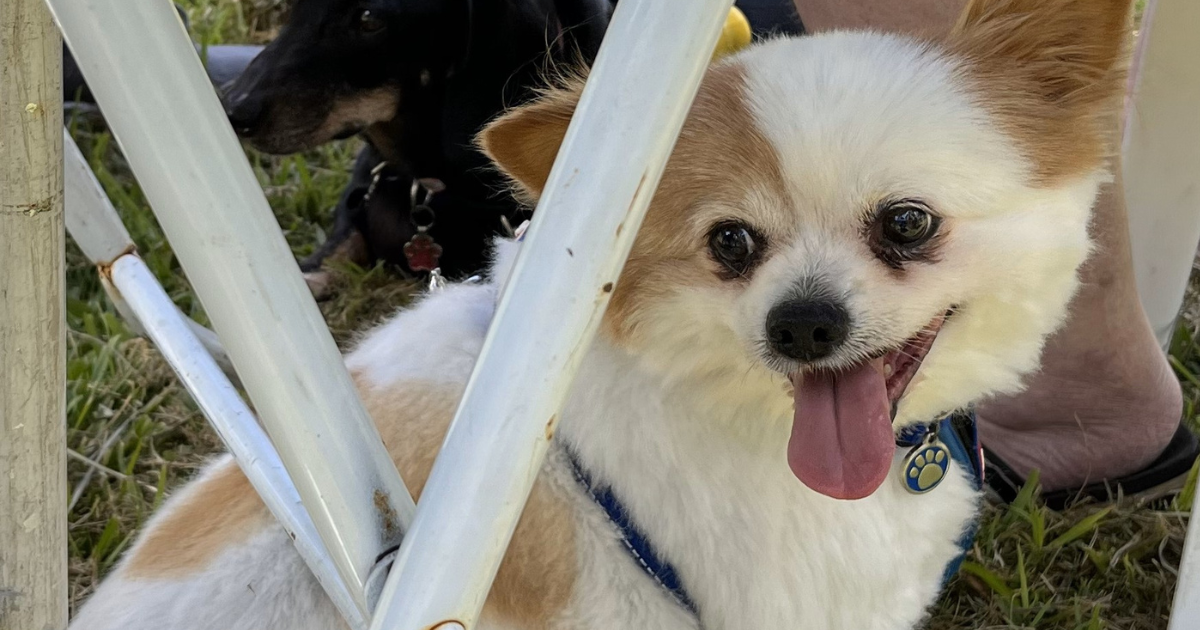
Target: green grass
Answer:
pixel 135 435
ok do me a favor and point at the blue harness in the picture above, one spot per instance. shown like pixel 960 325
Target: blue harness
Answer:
pixel 636 543
pixel 957 433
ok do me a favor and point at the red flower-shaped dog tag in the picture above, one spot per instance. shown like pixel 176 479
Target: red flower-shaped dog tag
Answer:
pixel 422 252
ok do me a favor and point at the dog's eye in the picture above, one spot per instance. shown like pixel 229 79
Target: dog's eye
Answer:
pixel 369 22
pixel 734 245
pixel 907 224
pixel 903 231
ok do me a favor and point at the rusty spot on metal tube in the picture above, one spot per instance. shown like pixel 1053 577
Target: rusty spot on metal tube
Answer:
pixel 608 287
pixel 105 268
pixel 550 424
pixel 637 192
pixel 391 522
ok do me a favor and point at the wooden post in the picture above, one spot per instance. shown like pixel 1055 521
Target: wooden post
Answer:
pixel 33 479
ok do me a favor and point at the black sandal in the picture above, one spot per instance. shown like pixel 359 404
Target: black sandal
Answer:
pixel 1162 478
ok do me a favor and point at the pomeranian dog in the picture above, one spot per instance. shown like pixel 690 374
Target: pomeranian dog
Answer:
pixel 856 232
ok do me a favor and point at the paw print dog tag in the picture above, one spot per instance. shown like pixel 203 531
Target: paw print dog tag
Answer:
pixel 926 465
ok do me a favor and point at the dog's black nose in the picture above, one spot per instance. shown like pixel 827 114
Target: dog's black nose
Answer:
pixel 807 330
pixel 245 113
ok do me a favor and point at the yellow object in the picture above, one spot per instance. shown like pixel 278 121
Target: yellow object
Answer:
pixel 735 36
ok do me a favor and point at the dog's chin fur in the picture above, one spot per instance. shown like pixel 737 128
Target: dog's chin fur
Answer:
pixel 680 407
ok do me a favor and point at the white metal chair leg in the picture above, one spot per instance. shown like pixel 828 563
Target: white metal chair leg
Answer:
pixel 162 109
pixel 1162 188
pixel 636 99
pixel 1162 159
pixel 97 229
pixel 1185 610
pixel 234 422
pixel 143 303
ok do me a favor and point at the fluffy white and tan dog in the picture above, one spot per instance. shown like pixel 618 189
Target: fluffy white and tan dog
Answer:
pixel 856 231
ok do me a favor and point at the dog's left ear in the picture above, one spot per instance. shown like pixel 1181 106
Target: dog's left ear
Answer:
pixel 524 142
pixel 1052 71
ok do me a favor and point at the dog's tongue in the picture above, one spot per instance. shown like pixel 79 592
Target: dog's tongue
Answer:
pixel 842 442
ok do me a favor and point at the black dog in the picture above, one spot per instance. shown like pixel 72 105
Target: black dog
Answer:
pixel 418 79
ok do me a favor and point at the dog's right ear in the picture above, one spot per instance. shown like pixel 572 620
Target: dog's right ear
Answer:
pixel 524 142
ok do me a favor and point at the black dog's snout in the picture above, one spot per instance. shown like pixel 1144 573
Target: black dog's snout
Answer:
pixel 807 330
pixel 245 112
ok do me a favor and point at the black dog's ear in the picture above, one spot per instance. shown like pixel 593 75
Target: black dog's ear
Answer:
pixel 584 23
pixel 524 142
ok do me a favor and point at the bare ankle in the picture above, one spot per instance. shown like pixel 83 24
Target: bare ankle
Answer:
pixel 1087 428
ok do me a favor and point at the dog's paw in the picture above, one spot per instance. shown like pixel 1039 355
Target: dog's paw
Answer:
pixel 925 468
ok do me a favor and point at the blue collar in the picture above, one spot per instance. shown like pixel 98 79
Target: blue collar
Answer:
pixel 960 435
pixel 957 432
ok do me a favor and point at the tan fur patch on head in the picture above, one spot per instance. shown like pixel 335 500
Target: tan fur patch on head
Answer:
pixel 720 155
pixel 1052 73
pixel 537 575
pixel 360 110
pixel 217 512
